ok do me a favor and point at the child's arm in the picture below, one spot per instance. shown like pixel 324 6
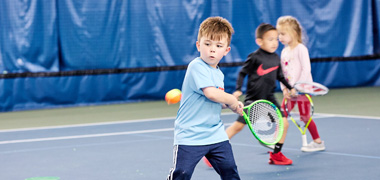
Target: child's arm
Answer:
pixel 239 83
pixel 222 97
pixel 304 59
pixel 287 94
pixel 285 91
pixel 237 94
pixel 242 74
pixel 240 80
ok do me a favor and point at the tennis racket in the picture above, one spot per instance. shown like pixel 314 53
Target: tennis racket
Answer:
pixel 300 109
pixel 311 88
pixel 264 120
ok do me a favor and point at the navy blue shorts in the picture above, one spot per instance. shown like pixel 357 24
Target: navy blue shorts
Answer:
pixel 187 157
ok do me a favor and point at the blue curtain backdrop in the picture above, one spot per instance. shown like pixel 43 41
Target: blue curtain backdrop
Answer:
pixel 68 35
pixel 28 36
pixel 376 30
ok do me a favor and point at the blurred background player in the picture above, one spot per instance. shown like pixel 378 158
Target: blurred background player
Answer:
pixel 295 63
pixel 263 69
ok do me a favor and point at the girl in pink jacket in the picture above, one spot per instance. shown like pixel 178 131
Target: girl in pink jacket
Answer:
pixel 295 64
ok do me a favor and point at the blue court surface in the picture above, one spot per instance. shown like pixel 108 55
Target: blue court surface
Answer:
pixel 142 149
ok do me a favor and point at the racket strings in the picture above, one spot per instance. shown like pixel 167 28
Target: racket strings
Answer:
pixel 306 88
pixel 264 121
pixel 311 88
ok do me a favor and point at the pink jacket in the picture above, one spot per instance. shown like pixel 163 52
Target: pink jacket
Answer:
pixel 295 64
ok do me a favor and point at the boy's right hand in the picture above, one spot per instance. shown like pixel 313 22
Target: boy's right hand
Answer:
pixel 286 94
pixel 237 94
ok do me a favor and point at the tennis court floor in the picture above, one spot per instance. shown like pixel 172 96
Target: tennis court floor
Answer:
pixel 142 149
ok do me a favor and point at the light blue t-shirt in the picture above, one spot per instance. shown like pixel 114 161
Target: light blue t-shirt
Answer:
pixel 198 119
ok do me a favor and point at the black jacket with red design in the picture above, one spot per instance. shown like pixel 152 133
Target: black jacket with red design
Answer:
pixel 263 69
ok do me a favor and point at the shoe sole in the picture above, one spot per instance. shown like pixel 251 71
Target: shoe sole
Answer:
pixel 272 162
pixel 313 150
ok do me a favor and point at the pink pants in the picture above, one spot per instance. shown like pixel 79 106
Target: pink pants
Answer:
pixel 304 110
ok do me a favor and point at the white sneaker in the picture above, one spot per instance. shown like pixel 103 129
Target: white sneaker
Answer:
pixel 313 146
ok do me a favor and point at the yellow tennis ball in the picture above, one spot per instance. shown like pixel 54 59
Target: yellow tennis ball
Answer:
pixel 173 96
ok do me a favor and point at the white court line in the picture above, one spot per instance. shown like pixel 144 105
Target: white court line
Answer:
pixel 159 119
pixel 89 135
pixel 123 133
pixel 349 116
pixel 88 124
pixel 85 136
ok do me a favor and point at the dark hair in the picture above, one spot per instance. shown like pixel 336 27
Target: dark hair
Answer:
pixel 262 29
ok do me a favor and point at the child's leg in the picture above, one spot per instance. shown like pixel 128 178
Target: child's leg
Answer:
pixel 235 128
pixel 304 107
pixel 313 130
pixel 290 105
pixel 238 125
pixel 185 159
pixel 276 157
pixel 222 159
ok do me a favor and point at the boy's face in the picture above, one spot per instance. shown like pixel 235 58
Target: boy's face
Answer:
pixel 212 51
pixel 269 42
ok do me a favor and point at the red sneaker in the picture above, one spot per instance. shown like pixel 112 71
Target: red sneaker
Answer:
pixel 279 159
pixel 206 162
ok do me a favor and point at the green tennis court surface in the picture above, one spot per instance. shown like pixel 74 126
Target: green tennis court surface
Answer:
pixel 351 101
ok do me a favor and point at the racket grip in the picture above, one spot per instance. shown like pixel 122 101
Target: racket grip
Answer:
pixel 304 140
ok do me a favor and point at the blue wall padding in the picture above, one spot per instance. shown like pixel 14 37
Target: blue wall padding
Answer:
pixel 70 35
pixel 44 36
pixel 347 74
pixel 49 92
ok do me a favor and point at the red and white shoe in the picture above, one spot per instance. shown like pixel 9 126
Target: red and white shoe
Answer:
pixel 279 159
pixel 206 162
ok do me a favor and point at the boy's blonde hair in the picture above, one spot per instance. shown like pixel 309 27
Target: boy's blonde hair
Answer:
pixel 291 25
pixel 216 28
